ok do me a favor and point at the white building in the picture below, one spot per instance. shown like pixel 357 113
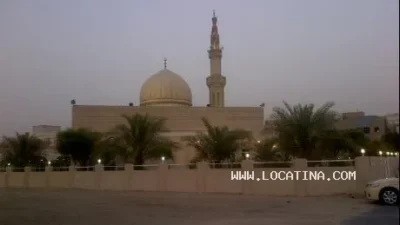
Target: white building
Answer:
pixel 48 134
pixel 393 121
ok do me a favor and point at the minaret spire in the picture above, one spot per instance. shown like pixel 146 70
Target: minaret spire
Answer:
pixel 214 33
pixel 215 82
pixel 165 63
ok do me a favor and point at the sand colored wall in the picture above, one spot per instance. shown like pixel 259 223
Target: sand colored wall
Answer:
pixel 181 121
pixel 103 118
pixel 3 178
pixel 204 179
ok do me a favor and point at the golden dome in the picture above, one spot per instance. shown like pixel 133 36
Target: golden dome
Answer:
pixel 165 88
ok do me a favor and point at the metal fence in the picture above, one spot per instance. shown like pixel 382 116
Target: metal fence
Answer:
pixel 273 164
pixel 61 169
pixel 113 168
pixel 182 166
pixel 331 163
pixel 85 168
pixel 225 165
pixel 38 169
pixel 146 167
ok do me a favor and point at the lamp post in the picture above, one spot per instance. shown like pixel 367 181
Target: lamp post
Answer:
pixel 99 161
pixel 362 152
pixel 387 153
pixel 162 159
pixel 49 163
pixel 247 155
pixel 380 153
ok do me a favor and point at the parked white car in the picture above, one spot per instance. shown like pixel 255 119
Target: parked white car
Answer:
pixel 384 190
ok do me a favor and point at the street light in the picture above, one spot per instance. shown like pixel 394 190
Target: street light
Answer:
pixel 391 154
pixel 387 153
pixel 8 164
pixel 380 153
pixel 258 141
pixel 162 158
pixel 362 151
pixel 247 155
pixel 99 161
pixel 396 154
pixel 49 163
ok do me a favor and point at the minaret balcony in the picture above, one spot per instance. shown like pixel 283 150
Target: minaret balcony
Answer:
pixel 215 53
pixel 216 81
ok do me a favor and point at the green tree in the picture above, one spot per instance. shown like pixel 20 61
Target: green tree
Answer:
pixel 140 139
pixel 107 149
pixel 301 128
pixel 23 150
pixel 391 141
pixel 78 144
pixel 61 161
pixel 269 150
pixel 342 144
pixel 217 144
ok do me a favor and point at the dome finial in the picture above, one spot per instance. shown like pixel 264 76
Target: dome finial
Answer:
pixel 165 63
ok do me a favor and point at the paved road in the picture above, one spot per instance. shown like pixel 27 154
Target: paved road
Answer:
pixel 75 207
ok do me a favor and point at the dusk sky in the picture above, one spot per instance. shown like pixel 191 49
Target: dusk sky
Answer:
pixel 100 52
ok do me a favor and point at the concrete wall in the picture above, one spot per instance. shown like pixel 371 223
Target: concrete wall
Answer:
pixel 205 179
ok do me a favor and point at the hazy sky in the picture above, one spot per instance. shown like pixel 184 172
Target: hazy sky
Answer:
pixel 101 51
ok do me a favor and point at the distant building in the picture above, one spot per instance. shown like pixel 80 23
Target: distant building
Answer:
pixel 48 134
pixel 373 127
pixel 350 115
pixel 393 121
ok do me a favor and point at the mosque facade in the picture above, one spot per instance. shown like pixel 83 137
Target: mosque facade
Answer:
pixel 167 95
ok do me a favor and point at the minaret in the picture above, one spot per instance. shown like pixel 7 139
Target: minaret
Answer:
pixel 215 82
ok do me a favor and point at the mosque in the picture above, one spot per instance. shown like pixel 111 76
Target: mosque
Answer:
pixel 166 94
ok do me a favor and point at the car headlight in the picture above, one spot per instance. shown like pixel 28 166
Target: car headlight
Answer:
pixel 372 185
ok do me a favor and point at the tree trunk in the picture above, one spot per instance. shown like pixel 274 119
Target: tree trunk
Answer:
pixel 139 158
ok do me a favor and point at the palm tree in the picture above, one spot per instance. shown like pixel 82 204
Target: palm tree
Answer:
pixel 299 128
pixel 23 150
pixel 140 139
pixel 217 144
pixel 269 150
pixel 79 144
pixel 342 144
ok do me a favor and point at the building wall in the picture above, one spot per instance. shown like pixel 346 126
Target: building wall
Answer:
pixel 374 129
pixel 350 115
pixel 393 121
pixel 181 121
pixel 48 134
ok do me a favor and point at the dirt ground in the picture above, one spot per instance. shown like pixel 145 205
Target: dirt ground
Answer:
pixel 79 207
